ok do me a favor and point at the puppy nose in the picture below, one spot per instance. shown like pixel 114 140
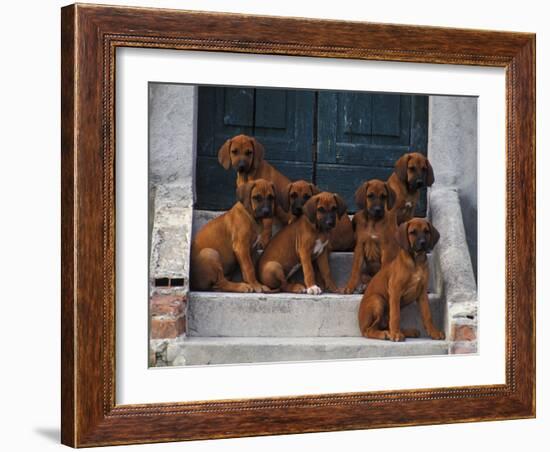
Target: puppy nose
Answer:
pixel 241 166
pixel 377 210
pixel 419 183
pixel 266 211
pixel 329 222
pixel 421 243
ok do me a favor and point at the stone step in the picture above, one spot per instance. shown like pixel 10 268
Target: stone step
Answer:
pixel 340 262
pixel 197 351
pixel 218 314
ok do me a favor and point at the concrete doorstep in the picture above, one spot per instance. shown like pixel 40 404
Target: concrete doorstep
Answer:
pixel 197 351
pixel 215 314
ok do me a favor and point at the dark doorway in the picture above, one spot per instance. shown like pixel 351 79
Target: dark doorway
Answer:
pixel 336 139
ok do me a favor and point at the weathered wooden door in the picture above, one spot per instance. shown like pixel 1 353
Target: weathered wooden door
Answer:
pixel 361 135
pixel 282 120
pixel 335 139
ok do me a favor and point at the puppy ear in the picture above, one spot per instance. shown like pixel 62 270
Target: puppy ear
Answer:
pixel 310 209
pixel 314 189
pixel 429 174
pixel 401 167
pixel 243 194
pixel 341 205
pixel 283 198
pixel 434 234
pixel 354 223
pixel 275 197
pixel 390 201
pixel 361 195
pixel 402 236
pixel 258 153
pixel 223 155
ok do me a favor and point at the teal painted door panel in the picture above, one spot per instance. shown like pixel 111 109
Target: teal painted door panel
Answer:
pixel 282 120
pixel 336 139
pixel 361 135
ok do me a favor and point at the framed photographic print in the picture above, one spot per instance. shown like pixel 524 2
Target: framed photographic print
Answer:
pixel 285 225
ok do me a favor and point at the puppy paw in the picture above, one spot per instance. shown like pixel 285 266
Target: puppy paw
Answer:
pixel 266 289
pixel 258 288
pixel 246 288
pixel 314 290
pixel 296 288
pixel 395 336
pixel 437 335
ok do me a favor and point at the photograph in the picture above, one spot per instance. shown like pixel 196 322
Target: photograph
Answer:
pixel 278 223
pixel 293 224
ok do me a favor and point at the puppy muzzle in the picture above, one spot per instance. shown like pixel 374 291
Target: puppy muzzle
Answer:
pixel 328 222
pixel 421 245
pixel 376 212
pixel 297 210
pixel 242 166
pixel 264 212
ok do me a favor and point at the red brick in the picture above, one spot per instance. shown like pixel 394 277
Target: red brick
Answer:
pixel 167 305
pixel 167 328
pixel 464 333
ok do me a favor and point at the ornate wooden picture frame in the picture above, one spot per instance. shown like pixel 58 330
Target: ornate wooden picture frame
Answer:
pixel 90 37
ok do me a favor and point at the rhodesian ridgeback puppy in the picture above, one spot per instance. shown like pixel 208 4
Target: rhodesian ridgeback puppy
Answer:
pixel 246 155
pixel 293 199
pixel 399 283
pixel 301 243
pixel 412 172
pixel 230 239
pixel 374 231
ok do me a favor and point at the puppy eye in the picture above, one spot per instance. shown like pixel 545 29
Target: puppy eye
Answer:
pixel 333 208
pixel 426 231
pixel 382 197
pixel 321 209
pixel 248 152
pixel 270 197
pixel 306 197
pixel 370 195
pixel 412 232
pixel 233 151
pixel 412 168
pixel 257 198
pixel 294 195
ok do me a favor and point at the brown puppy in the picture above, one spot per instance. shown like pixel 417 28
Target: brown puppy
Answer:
pixel 398 283
pixel 374 231
pixel 293 199
pixel 412 172
pixel 230 239
pixel 246 155
pixel 300 244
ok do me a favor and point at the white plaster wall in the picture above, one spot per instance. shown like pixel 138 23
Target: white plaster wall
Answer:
pixel 172 134
pixel 452 150
pixel 172 150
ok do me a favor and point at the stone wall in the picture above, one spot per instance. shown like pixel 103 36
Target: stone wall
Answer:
pixel 172 150
pixel 452 150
